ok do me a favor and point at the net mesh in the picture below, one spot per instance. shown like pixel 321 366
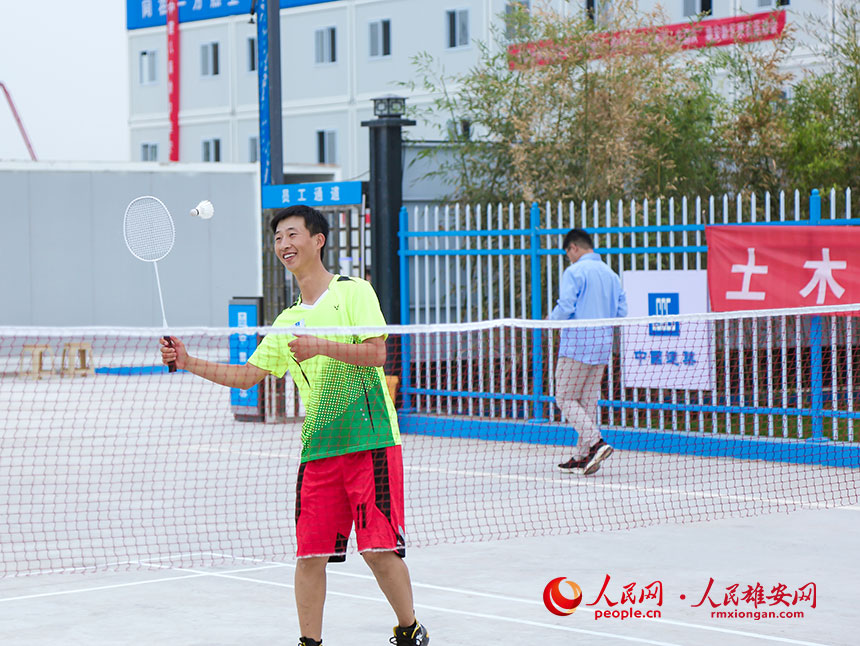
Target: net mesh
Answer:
pixel 109 462
pixel 148 229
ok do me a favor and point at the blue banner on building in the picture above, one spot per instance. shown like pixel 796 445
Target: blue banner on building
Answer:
pixel 153 13
pixel 315 194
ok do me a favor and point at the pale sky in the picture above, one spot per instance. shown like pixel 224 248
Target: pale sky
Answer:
pixel 66 66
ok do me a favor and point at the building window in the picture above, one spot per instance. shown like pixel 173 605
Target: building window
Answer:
pixel 325 45
pixel 211 150
pixel 696 7
pixel 459 129
pixel 326 146
pixel 253 149
pixel 458 28
pixel 773 3
pixel 380 38
pixel 148 152
pixel 148 67
pixel 252 54
pixel 209 59
pixel 513 29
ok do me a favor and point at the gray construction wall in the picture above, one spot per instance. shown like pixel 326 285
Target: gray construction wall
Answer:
pixel 63 260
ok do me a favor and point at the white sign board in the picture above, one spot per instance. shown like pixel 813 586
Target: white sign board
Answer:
pixel 667 355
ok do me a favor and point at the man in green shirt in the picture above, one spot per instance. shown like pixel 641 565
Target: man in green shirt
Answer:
pixel 351 472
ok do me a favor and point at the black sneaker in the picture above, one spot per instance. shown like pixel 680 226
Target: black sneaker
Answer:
pixel 414 635
pixel 307 641
pixel 574 466
pixel 597 454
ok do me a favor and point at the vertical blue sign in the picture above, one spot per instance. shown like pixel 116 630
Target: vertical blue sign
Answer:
pixel 242 346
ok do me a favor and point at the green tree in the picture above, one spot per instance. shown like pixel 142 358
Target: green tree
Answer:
pixel 613 109
pixel 815 151
pixel 581 116
pixel 823 147
pixel 686 151
pixel 752 124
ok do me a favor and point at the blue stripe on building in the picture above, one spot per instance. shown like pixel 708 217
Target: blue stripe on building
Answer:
pixel 141 14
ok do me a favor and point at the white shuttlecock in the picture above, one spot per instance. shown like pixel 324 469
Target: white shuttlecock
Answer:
pixel 204 210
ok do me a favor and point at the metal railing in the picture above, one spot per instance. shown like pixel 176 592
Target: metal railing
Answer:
pixel 464 263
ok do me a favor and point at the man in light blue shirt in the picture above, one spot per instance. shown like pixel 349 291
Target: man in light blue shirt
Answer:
pixel 589 290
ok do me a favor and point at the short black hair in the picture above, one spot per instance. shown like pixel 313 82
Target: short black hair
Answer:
pixel 315 221
pixel 578 236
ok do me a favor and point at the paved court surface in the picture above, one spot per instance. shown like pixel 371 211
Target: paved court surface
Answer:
pixel 154 474
pixel 477 593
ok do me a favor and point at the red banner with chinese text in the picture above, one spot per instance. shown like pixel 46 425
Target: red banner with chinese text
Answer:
pixel 717 32
pixel 773 266
pixel 173 75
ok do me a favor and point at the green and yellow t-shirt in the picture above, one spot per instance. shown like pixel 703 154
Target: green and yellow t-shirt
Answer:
pixel 347 408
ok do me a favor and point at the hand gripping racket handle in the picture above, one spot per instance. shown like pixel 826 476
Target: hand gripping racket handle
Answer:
pixel 171 367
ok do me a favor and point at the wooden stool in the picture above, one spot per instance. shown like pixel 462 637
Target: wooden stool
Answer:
pixel 83 352
pixel 37 353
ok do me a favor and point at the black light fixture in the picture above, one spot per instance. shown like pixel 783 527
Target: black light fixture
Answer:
pixel 389 106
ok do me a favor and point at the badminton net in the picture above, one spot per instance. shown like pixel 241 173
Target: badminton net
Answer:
pixel 108 461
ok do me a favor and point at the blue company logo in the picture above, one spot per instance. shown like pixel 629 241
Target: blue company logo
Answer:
pixel 663 304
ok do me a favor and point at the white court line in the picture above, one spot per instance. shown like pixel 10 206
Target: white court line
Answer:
pixel 108 566
pixel 578 482
pixel 216 448
pixel 57 593
pixel 194 574
pixel 526 622
pixel 538 603
pixel 590 484
pixel 231 574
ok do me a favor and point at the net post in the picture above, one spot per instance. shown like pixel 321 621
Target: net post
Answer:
pixel 816 386
pixel 817 376
pixel 405 342
pixel 537 341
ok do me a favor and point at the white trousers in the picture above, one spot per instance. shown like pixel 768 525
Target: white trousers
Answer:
pixel 577 389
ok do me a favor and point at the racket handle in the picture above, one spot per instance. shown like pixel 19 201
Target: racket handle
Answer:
pixel 171 367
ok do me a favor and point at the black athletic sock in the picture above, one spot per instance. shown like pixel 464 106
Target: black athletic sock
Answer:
pixel 408 629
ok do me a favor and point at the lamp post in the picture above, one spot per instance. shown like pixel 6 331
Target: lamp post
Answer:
pixel 385 197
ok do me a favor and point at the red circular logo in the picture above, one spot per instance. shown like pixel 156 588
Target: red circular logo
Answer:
pixel 556 602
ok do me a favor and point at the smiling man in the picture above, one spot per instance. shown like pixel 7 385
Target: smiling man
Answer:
pixel 351 472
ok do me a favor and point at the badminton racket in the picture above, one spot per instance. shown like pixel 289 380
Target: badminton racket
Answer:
pixel 149 235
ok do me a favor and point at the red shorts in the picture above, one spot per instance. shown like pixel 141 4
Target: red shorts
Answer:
pixel 364 489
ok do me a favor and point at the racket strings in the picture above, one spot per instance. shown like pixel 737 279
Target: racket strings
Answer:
pixel 149 230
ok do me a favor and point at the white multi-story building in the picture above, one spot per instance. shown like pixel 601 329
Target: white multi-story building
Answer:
pixel 336 55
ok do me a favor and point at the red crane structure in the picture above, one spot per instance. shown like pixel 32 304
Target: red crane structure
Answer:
pixel 18 121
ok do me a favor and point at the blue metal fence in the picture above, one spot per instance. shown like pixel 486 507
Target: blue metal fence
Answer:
pixel 476 263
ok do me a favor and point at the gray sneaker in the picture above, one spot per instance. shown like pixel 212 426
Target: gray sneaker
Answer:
pixel 574 466
pixel 597 454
